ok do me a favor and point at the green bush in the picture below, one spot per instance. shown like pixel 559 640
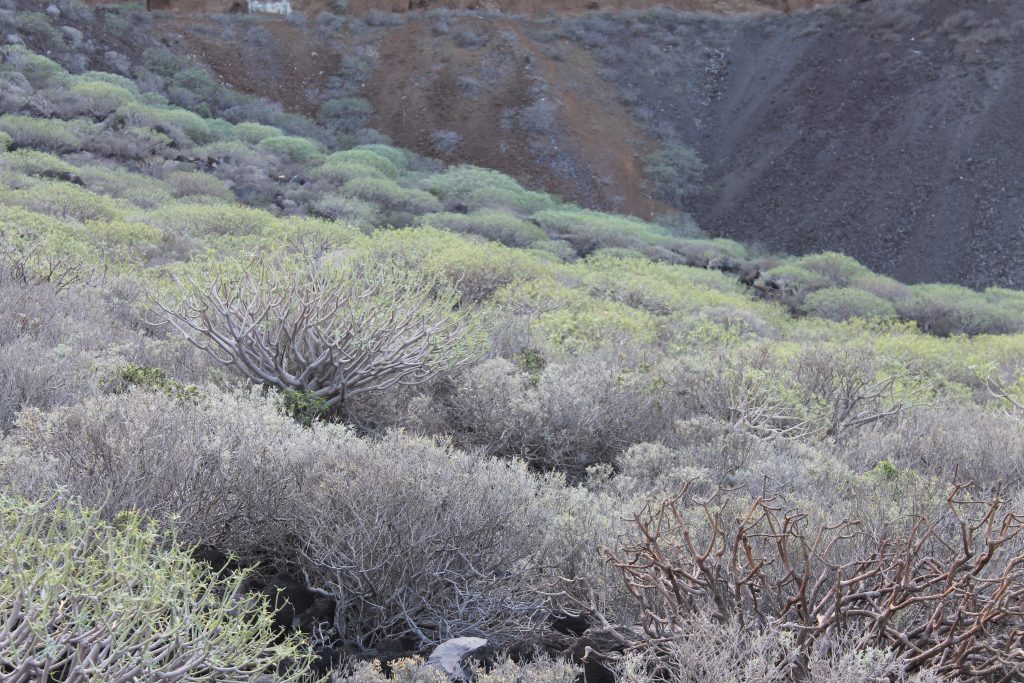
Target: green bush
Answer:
pixel 291 148
pixel 194 183
pixel 141 190
pixel 38 70
pixel 254 133
pixel 589 230
pixel 122 241
pixel 111 78
pixel 843 303
pixel 520 202
pixel 365 157
pixel 33 163
pixel 100 99
pixel 5 141
pixel 347 209
pixel 391 196
pixel 838 269
pixel 211 219
pixel 64 201
pixel 881 286
pixel 494 225
pixel 50 134
pixel 675 173
pixel 153 379
pixel 305 407
pixel 460 181
pixel 191 125
pixel 340 171
pixel 951 309
pixel 399 157
pixel 77 591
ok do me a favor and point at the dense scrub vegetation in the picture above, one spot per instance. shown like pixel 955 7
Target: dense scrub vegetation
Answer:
pixel 451 406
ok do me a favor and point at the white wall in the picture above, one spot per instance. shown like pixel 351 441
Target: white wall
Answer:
pixel 271 6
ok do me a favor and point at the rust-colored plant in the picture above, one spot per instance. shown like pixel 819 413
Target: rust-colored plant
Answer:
pixel 944 592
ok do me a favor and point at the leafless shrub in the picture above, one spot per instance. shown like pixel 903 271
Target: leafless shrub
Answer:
pixel 947 441
pixel 50 343
pixel 818 394
pixel 35 265
pixel 410 539
pixel 215 473
pixel 709 650
pixel 943 593
pixel 425 542
pixel 336 332
pixel 34 375
pixel 567 416
pixel 415 670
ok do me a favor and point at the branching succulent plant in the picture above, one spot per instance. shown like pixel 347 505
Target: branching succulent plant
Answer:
pixel 334 331
pixel 84 600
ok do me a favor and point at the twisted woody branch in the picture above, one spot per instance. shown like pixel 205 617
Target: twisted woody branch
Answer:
pixel 943 592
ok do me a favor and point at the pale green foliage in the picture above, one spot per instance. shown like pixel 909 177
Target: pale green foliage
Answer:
pixel 494 225
pixel 211 219
pixel 587 230
pixel 365 157
pixel 40 71
pixel 49 134
pixel 5 141
pixel 192 183
pixel 100 98
pixel 63 201
pixel 33 163
pixel 340 171
pixel 347 209
pixel 949 309
pixel 843 303
pixel 81 593
pixel 255 132
pixel 140 190
pixel 192 125
pixel 391 196
pixel 399 157
pixel 460 181
pixel 290 147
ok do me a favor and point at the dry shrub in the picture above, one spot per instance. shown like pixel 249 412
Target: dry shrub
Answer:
pixel 34 374
pixel 49 342
pixel 982 445
pixel 415 670
pixel 708 650
pixel 216 471
pixel 411 539
pixel 944 592
pixel 819 393
pixel 568 416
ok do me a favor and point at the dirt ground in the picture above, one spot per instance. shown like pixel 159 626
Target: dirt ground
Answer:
pixel 554 125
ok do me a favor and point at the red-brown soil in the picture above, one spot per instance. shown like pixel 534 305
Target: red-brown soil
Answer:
pixel 589 149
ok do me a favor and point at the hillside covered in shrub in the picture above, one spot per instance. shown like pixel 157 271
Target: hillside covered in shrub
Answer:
pixel 313 404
